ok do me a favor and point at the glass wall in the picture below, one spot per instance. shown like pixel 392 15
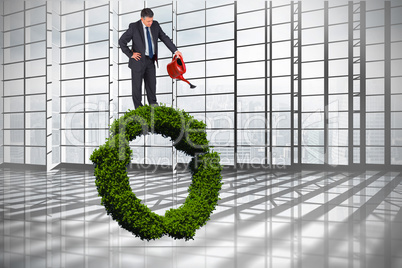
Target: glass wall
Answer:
pixel 314 37
pixel 25 98
pixel 251 88
pixel 393 81
pixel 282 78
pixel 278 83
pixel 85 78
pixel 374 19
pixel 205 36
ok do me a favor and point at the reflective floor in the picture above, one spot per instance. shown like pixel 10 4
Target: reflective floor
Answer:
pixel 264 219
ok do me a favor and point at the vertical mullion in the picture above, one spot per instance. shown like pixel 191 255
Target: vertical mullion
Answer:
pixel 363 227
pixel 2 95
pixel 25 130
pixel 292 87
pixel 205 73
pixel 25 75
pixel 205 70
pixel 350 83
pixel 46 87
pixel 362 83
pixel 299 84
pixel 48 48
pixel 270 85
pixel 115 87
pixel 85 241
pixel 84 59
pixel 174 87
pixel 48 96
pixel 174 37
pixel 118 62
pixel 269 153
pixel 110 48
pixel 60 76
pixel 326 145
pixel 236 211
pixel 266 161
pixel 235 87
pixel 326 74
pixel 266 85
pixel 294 228
pixel 143 101
pixel 387 81
pixel 25 133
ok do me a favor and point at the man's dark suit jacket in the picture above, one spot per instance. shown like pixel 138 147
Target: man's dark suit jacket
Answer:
pixel 135 33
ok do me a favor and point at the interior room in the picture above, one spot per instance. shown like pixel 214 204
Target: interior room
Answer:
pixel 301 100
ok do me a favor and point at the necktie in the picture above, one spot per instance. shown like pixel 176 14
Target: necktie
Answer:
pixel 151 53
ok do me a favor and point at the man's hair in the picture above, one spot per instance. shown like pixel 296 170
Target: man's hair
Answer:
pixel 147 12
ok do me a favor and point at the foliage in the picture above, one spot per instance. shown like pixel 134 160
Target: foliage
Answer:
pixel 112 158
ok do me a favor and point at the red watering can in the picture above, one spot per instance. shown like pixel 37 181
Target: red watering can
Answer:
pixel 177 68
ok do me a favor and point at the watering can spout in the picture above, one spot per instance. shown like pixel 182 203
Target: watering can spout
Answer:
pixel 177 68
pixel 185 80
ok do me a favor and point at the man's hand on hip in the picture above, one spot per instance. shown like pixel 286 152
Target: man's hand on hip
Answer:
pixel 136 56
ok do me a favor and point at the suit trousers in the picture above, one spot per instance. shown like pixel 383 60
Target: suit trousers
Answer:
pixel 147 72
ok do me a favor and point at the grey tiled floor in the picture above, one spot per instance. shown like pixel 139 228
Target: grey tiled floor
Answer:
pixel 264 219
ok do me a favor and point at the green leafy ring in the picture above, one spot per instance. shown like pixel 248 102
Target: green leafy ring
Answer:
pixel 112 158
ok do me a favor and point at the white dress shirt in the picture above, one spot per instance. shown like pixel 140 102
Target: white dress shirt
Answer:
pixel 146 40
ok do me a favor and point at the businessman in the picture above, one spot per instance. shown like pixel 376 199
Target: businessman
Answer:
pixel 144 35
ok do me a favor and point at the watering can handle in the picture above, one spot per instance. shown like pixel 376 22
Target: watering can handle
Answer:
pixel 182 61
pixel 175 56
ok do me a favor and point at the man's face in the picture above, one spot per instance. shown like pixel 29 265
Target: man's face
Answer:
pixel 147 21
